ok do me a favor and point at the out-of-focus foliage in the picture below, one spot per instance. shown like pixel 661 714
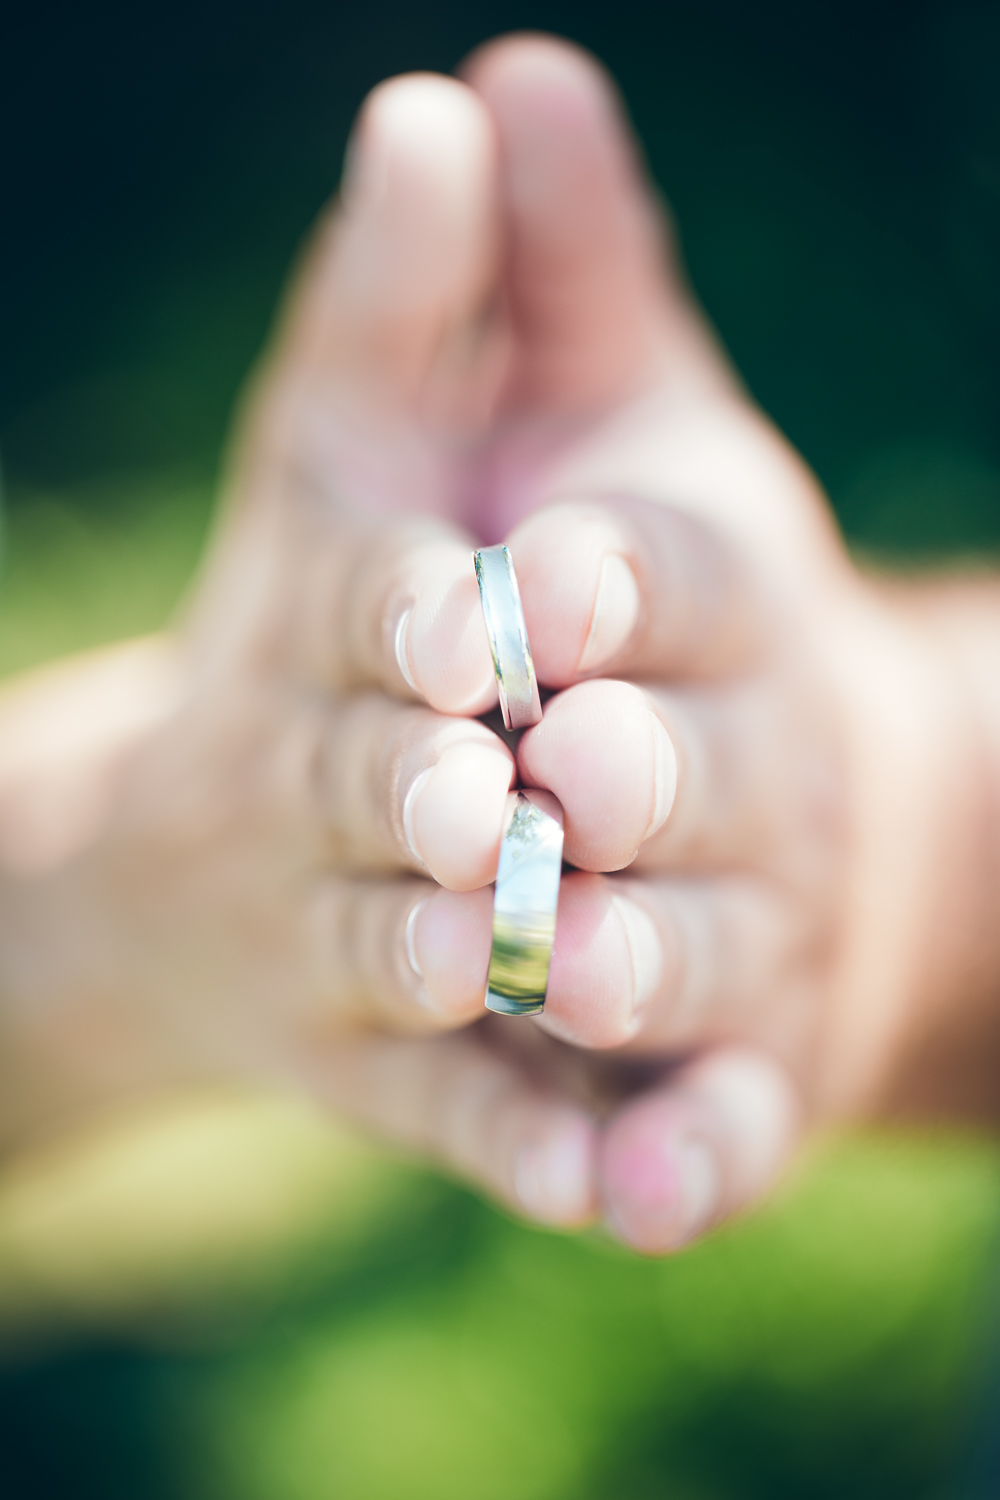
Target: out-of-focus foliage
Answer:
pixel 96 566
pixel 787 1356
pixel 270 1311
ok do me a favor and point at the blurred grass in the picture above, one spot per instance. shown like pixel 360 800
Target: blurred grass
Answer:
pixel 810 1351
pixel 96 564
pixel 227 1297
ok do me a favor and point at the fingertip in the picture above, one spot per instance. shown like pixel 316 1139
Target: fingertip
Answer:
pixel 646 957
pixel 556 79
pixel 453 813
pixel 428 128
pixel 401 648
pixel 579 592
pixel 603 752
pixel 414 246
pixel 615 614
pixel 586 282
pixel 591 992
pixel 759 1110
pixel 440 641
pixel 660 1177
pixel 518 48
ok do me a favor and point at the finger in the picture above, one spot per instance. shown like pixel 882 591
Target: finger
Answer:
pixel 403 954
pixel 759 784
pixel 474 1112
pixel 635 588
pixel 395 279
pixel 666 964
pixel 341 605
pixel 731 956
pixel 707 1144
pixel 397 608
pixel 351 420
pixel 606 755
pixel 593 308
pixel 412 254
pixel 695 779
pixel 377 786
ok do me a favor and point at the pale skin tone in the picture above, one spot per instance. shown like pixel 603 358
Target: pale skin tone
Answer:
pixel 261 847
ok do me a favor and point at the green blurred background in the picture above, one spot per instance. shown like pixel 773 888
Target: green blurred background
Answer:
pixel 228 1297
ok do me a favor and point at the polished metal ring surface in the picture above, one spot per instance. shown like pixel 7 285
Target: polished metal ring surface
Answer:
pixel 515 671
pixel 524 903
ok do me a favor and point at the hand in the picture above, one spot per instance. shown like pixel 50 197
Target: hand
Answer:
pixel 404 380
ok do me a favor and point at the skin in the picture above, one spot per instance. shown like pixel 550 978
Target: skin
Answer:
pixel 260 847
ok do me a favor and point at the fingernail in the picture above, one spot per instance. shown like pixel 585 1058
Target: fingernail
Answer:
pixel 411 951
pixel 421 994
pixel 616 610
pixel 400 645
pixel 409 807
pixel 664 776
pixel 666 1191
pixel 442 647
pixel 645 951
pixel 698 1172
pixel 554 1180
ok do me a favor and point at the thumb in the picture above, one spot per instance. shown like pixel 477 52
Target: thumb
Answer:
pixel 597 301
pixel 337 431
pixel 411 252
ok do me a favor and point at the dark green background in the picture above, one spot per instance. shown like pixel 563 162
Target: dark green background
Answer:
pixel 835 170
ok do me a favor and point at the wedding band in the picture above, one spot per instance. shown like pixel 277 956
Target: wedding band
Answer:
pixel 527 887
pixel 524 903
pixel 515 671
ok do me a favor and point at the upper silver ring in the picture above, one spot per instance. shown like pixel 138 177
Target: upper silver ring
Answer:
pixel 515 671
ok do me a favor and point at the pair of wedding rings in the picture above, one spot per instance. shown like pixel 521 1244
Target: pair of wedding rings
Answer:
pixel 527 886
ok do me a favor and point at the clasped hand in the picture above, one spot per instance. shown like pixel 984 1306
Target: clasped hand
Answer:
pixel 283 870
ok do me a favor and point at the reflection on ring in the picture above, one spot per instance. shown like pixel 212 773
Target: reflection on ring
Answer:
pixel 524 904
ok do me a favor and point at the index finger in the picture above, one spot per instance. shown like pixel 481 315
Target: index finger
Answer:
pixel 340 603
pixel 632 588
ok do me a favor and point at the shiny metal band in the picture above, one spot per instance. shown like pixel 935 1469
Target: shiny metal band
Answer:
pixel 519 701
pixel 524 903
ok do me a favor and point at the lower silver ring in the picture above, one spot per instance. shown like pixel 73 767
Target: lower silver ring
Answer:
pixel 508 636
pixel 524 904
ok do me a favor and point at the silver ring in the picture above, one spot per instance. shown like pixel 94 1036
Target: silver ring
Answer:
pixel 524 903
pixel 515 671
